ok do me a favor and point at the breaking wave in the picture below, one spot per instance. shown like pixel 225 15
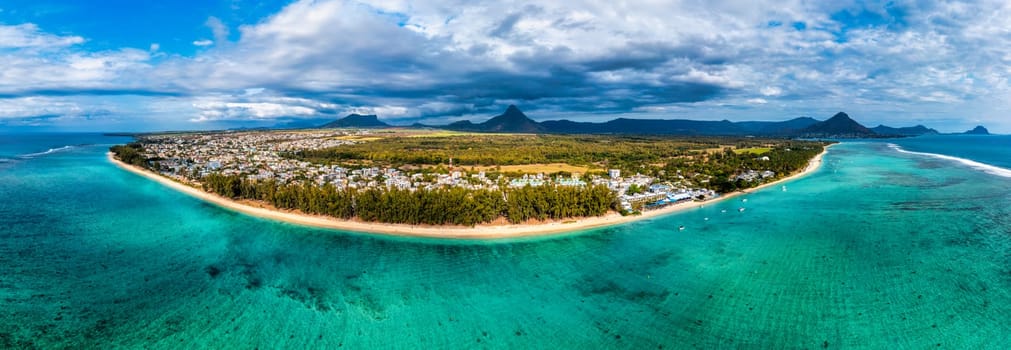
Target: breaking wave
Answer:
pixel 987 168
pixel 46 152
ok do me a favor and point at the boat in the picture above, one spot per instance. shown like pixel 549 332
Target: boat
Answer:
pixel 682 228
pixel 784 188
pixel 744 200
pixel 706 219
pixel 741 209
pixel 723 211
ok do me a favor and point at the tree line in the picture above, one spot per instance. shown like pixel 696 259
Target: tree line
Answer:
pixel 443 206
pixel 131 153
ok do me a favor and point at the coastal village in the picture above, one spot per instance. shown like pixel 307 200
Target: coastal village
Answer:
pixel 260 156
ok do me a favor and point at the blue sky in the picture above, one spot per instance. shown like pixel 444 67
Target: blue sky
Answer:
pixel 137 65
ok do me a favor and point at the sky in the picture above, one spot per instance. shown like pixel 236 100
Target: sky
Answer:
pixel 125 65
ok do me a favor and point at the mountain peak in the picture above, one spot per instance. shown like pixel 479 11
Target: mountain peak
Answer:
pixel 841 116
pixel 514 114
pixel 356 120
pixel 978 130
pixel 512 120
pixel 839 126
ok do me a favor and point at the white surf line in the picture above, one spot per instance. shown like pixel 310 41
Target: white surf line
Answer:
pixel 49 151
pixel 987 168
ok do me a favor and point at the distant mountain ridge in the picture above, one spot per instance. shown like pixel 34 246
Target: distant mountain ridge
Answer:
pixel 839 126
pixel 513 120
pixel 978 130
pixel 357 121
pixel 907 131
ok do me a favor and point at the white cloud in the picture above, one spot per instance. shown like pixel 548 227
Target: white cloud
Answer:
pixel 72 70
pixel 28 36
pixel 154 47
pixel 385 111
pixel 36 106
pixel 218 28
pixel 412 59
pixel 771 91
pixel 212 111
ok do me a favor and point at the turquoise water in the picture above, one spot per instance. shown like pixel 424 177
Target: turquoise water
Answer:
pixel 878 249
pixel 992 150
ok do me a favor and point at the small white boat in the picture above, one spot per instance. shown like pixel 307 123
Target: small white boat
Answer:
pixel 723 211
pixel 784 188
pixel 741 209
pixel 682 228
pixel 706 219
pixel 744 200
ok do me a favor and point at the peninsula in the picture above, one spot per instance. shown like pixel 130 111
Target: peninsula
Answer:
pixel 460 185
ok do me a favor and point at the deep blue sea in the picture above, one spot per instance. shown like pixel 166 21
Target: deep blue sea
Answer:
pixel 890 245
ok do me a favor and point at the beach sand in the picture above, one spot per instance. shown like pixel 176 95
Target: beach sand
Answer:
pixel 456 232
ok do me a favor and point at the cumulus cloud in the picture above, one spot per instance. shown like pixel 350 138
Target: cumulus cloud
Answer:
pixel 426 60
pixel 255 104
pixel 28 36
pixel 36 106
pixel 247 110
pixel 61 71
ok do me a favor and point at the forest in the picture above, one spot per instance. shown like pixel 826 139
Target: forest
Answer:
pixel 452 206
pixel 131 153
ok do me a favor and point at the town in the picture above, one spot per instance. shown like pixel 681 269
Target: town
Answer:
pixel 259 155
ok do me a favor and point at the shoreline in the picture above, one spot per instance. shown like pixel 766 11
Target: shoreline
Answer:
pixel 483 231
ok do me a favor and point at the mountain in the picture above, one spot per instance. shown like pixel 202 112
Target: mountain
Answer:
pixel 513 120
pixel 777 128
pixel 907 131
pixel 678 127
pixel 978 130
pixel 299 123
pixel 644 126
pixel 839 126
pixel 356 121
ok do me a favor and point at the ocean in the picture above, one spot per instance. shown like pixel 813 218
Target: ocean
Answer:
pixel 890 244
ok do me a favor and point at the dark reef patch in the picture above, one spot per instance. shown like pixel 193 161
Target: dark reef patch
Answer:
pixel 212 271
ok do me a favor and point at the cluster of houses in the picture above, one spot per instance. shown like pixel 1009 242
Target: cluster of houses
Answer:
pixel 257 156
pixel 752 175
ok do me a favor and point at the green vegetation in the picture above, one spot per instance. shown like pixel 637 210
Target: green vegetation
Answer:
pixel 708 162
pixel 130 154
pixel 501 149
pixel 696 162
pixel 753 150
pixel 456 206
pixel 634 189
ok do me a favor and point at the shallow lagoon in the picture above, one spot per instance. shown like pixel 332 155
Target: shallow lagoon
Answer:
pixel 877 249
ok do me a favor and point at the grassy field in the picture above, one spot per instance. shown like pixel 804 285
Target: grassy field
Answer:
pixel 702 159
pixel 753 150
pixel 449 133
pixel 535 168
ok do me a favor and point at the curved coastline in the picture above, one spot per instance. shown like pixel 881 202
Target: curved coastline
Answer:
pixel 483 231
